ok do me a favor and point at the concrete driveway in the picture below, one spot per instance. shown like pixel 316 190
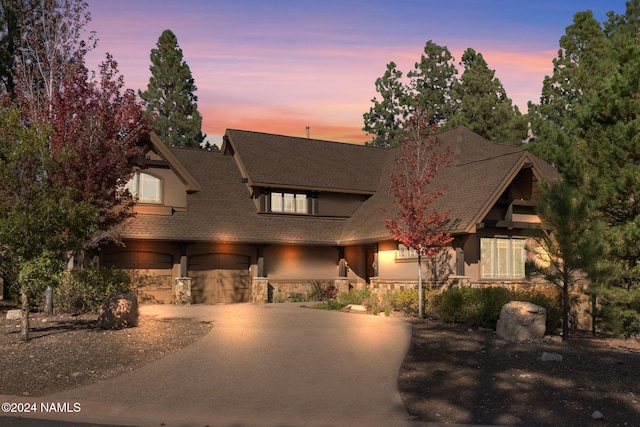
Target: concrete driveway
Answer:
pixel 261 365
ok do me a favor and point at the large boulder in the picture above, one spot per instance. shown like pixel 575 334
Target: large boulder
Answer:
pixel 521 321
pixel 119 311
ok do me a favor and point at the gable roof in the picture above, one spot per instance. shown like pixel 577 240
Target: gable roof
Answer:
pixel 480 173
pixel 279 161
pixel 222 209
pixel 179 168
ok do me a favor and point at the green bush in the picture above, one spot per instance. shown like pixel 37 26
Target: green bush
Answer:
pixel 354 296
pixel 406 301
pixel 619 311
pixel 321 291
pixel 329 305
pixel 480 307
pixel 83 291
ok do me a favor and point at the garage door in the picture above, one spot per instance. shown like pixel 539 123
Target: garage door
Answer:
pixel 219 278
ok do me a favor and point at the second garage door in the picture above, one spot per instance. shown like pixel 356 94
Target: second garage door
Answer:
pixel 217 278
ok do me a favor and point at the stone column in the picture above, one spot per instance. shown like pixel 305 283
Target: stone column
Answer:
pixel 259 290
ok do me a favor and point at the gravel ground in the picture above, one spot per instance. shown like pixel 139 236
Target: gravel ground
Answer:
pixel 453 374
pixel 70 351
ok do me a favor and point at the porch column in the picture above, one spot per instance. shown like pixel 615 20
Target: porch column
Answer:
pixel 260 261
pixel 183 259
pixel 342 262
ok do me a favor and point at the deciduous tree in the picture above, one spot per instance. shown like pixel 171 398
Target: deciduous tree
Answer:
pixel 170 96
pixel 415 223
pixel 77 150
pixel 40 219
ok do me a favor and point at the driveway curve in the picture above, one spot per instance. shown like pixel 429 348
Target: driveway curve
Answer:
pixel 262 365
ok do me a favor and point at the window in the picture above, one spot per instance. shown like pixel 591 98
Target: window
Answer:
pixel 502 258
pixel 406 253
pixel 289 202
pixel 146 188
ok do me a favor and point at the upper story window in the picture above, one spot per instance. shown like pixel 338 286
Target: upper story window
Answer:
pixel 146 188
pixel 502 258
pixel 289 202
pixel 406 253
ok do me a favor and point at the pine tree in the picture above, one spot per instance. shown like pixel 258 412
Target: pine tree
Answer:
pixel 476 100
pixel 483 105
pixel 588 124
pixel 170 97
pixel 385 120
pixel 571 243
pixel 431 82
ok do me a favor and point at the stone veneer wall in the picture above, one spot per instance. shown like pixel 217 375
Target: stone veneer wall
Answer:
pixel 264 290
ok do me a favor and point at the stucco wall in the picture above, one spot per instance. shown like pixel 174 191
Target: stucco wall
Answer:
pixel 291 262
pixel 436 268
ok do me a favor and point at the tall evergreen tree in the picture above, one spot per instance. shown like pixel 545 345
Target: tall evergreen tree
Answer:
pixel 483 105
pixel 477 99
pixel 385 119
pixel 170 96
pixel 588 123
pixel 431 82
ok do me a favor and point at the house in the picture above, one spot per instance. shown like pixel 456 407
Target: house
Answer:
pixel 268 214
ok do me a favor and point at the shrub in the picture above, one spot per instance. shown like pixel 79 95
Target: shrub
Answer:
pixel 354 296
pixel 619 311
pixel 83 291
pixel 480 307
pixel 329 305
pixel 406 301
pixel 321 291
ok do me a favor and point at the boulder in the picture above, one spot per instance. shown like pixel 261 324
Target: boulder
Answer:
pixel 551 357
pixel 521 321
pixel 13 315
pixel 119 311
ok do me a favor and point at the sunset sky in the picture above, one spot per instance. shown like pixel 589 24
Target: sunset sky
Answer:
pixel 279 66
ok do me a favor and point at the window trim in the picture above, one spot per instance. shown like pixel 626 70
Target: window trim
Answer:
pixel 496 267
pixel 136 184
pixel 403 252
pixel 288 202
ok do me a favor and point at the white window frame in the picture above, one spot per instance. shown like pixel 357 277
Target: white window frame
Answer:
pixel 284 202
pixel 502 258
pixel 405 252
pixel 146 188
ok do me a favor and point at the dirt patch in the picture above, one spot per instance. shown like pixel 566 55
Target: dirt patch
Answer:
pixel 65 351
pixel 456 375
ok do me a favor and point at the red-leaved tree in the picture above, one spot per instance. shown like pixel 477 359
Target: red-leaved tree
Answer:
pixel 416 224
pixel 73 139
pixel 96 122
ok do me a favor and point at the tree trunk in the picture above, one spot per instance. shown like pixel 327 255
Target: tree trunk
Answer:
pixel 24 331
pixel 420 314
pixel 48 301
pixel 565 310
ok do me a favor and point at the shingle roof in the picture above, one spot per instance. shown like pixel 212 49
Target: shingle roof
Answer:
pixel 282 161
pixel 224 211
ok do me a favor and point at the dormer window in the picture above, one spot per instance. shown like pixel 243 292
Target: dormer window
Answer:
pixel 289 202
pixel 146 188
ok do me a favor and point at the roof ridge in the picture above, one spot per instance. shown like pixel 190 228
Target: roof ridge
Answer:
pixel 304 138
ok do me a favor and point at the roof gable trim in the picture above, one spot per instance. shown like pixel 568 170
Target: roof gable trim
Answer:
pixel 182 172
